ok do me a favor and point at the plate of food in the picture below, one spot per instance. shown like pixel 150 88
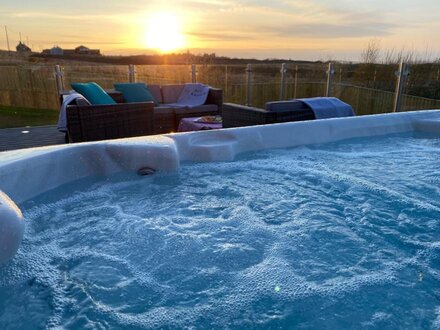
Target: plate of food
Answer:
pixel 209 119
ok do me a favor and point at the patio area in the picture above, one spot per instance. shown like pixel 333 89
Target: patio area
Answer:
pixel 29 137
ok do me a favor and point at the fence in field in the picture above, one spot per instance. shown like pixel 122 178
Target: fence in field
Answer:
pixel 369 89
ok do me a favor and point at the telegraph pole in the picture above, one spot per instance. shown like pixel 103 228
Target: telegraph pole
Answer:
pixel 7 39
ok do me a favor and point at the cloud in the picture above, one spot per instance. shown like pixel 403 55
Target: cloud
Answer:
pixel 203 4
pixel 231 6
pixel 328 30
pixel 91 42
pixel 244 25
pixel 277 5
pixel 62 16
pixel 219 36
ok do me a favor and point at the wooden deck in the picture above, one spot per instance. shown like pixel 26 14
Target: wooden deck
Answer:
pixel 29 137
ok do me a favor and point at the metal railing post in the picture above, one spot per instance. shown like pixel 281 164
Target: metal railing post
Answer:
pixel 296 82
pixel 193 73
pixel 249 85
pixel 330 73
pixel 401 74
pixel 131 73
pixel 283 81
pixel 59 78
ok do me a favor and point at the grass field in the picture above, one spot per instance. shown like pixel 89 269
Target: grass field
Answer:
pixel 21 117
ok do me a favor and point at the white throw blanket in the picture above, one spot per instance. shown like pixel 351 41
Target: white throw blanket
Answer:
pixel 67 100
pixel 193 95
pixel 328 107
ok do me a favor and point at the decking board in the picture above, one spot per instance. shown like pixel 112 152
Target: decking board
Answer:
pixel 29 137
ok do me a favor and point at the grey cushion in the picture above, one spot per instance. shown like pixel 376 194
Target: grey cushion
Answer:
pixel 171 93
pixel 155 90
pixel 283 106
pixel 200 108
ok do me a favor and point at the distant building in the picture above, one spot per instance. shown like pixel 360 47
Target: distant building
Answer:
pixel 22 48
pixel 53 51
pixel 80 50
pixel 87 51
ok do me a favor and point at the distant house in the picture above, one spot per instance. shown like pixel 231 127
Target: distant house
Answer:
pixel 22 48
pixel 56 51
pixel 87 51
pixel 80 50
pixel 53 51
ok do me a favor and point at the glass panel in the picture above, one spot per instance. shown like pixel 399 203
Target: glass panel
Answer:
pixel 422 87
pixel 306 80
pixel 30 86
pixel 368 88
pixel 104 75
pixel 163 74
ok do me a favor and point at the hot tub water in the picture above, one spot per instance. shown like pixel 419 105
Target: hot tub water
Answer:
pixel 339 235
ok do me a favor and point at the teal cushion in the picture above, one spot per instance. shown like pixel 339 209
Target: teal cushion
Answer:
pixel 93 93
pixel 135 92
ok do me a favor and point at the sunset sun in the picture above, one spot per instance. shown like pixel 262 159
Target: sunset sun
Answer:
pixel 164 32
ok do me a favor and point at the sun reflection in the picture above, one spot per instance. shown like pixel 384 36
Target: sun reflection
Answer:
pixel 164 32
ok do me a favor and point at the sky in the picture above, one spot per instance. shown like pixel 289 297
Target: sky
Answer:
pixel 296 29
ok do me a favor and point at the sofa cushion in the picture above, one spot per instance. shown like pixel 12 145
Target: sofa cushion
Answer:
pixel 157 93
pixel 201 108
pixel 93 93
pixel 135 92
pixel 171 93
pixel 283 106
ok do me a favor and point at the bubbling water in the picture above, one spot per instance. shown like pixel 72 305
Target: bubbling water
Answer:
pixel 339 235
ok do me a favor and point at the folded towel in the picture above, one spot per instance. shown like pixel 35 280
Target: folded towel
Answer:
pixel 328 107
pixel 67 100
pixel 192 95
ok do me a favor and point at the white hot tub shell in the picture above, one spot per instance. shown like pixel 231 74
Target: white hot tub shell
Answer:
pixel 26 173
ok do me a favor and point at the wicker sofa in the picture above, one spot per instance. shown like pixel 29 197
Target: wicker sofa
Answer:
pixel 101 122
pixel 236 115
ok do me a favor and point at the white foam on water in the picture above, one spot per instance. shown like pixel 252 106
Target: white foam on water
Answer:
pixel 281 238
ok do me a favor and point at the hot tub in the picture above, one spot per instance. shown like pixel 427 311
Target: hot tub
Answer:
pixel 327 223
